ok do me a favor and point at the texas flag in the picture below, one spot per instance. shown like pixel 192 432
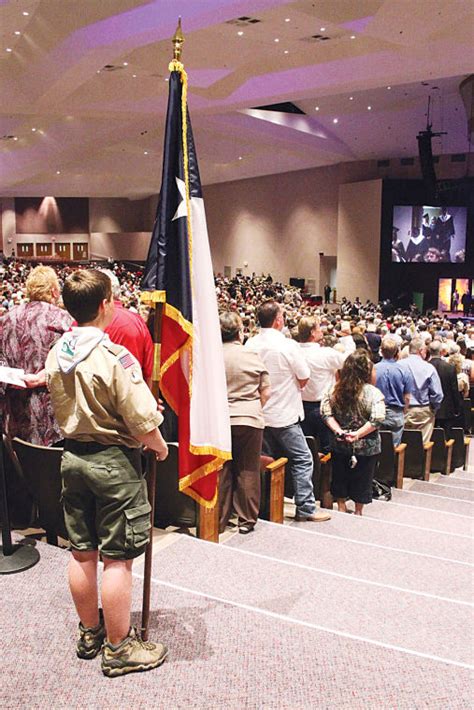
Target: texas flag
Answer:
pixel 179 274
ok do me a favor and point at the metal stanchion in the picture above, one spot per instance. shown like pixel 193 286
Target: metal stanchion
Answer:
pixel 13 557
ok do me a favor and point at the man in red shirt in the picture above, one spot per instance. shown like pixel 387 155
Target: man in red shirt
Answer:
pixel 128 329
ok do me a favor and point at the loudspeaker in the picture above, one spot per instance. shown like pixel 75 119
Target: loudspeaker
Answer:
pixel 426 159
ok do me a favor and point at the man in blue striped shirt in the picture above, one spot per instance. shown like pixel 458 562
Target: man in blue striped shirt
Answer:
pixel 395 383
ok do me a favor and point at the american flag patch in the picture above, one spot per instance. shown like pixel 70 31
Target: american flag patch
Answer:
pixel 126 361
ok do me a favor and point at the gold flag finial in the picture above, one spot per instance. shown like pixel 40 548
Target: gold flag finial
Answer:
pixel 178 40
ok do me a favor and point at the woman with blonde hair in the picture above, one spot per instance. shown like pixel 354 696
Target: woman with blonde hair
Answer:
pixel 353 410
pixel 29 331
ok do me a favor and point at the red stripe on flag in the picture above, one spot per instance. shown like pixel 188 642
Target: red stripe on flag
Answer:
pixel 176 390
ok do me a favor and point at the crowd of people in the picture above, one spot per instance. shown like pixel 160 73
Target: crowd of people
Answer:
pixel 294 368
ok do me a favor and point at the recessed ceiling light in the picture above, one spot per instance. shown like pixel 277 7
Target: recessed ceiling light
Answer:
pixel 285 52
pixel 240 157
pixel 240 33
pixel 9 49
pixel 25 13
pixel 15 138
pixel 98 71
pixel 322 29
pixel 58 172
pixel 287 19
pixel 167 78
pixel 316 108
pixel 353 36
pixel 17 32
pixel 389 87
pixel 276 39
pixel 335 120
pixel 33 130
pixel 369 108
pixel 145 152
pixel 351 98
pixel 134 76
pixel 125 64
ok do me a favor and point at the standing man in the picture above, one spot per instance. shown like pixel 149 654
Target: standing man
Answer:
pixel 323 363
pixel 451 406
pixel 283 412
pixel 426 393
pixel 129 329
pixel 327 293
pixel 395 383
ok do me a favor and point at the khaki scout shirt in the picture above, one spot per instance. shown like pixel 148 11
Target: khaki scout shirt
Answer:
pixel 104 398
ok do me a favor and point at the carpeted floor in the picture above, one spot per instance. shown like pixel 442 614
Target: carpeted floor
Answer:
pixel 444 491
pixel 372 613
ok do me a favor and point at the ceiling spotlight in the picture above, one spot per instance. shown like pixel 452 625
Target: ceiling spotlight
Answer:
pixel 316 108
pixel 17 32
pixel 322 29
pixel 98 71
pixel 240 157
pixel 369 108
pixel 25 13
pixel 145 152
pixel 389 87
pixel 134 76
pixel 287 19
pixel 240 33
pixel 125 64
pixel 33 130
pixel 353 36
pixel 351 98
pixel 167 78
pixel 58 172
pixel 335 120
pixel 15 138
pixel 9 49
pixel 276 39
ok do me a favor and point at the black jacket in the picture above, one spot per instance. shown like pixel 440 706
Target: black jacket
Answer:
pixel 451 405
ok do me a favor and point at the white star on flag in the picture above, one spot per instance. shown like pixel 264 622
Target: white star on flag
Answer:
pixel 182 210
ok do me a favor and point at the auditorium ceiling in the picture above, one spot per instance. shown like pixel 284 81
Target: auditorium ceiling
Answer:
pixel 84 87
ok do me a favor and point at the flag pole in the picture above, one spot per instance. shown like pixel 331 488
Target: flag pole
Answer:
pixel 177 41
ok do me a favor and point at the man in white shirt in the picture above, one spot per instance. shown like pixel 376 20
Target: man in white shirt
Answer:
pixel 323 363
pixel 283 412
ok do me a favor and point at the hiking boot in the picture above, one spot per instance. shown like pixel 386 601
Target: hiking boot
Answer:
pixel 91 640
pixel 131 655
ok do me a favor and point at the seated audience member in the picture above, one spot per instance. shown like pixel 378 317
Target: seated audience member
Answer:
pixel 29 331
pixel 426 393
pixel 248 389
pixel 283 412
pixel 323 363
pixel 395 384
pixel 128 329
pixel 354 410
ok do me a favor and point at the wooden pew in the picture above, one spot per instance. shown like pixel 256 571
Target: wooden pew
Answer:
pixel 391 462
pixel 442 452
pixel 460 448
pixel 417 455
pixel 272 477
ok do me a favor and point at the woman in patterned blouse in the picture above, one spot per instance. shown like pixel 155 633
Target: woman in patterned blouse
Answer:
pixel 353 410
pixel 29 331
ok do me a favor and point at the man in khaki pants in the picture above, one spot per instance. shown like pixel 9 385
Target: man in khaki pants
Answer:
pixel 425 391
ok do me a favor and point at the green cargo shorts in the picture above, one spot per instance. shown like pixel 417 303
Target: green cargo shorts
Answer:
pixel 105 499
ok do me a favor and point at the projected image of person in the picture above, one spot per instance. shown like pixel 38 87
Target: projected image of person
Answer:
pixel 426 226
pixel 417 246
pixel 398 250
pixel 444 231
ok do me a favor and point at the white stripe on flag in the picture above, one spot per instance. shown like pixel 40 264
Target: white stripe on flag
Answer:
pixel 210 423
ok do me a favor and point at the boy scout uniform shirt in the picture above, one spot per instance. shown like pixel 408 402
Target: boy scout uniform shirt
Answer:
pixel 104 398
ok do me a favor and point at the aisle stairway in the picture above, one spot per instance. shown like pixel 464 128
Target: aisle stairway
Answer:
pixel 372 612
